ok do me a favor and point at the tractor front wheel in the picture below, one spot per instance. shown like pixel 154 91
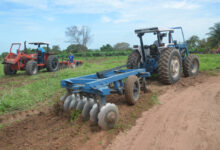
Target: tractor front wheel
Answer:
pixel 52 63
pixel 169 66
pixel 8 70
pixel 191 65
pixel 31 67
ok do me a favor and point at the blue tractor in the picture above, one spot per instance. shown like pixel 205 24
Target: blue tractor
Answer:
pixel 167 58
pixel 88 93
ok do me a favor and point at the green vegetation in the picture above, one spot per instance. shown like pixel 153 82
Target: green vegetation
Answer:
pixel 15 95
pixel 1 71
pixel 75 115
pixel 24 92
pixel 209 45
pixel 154 99
pixel 209 61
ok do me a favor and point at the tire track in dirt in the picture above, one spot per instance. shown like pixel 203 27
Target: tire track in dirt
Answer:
pixel 189 118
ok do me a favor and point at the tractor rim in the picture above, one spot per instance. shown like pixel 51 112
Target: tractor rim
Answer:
pixel 194 66
pixel 34 68
pixel 175 67
pixel 136 90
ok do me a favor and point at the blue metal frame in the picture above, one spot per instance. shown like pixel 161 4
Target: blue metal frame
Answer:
pixel 91 84
pixel 183 46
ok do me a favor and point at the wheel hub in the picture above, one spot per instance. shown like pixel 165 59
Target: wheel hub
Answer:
pixel 111 117
pixel 194 66
pixel 175 66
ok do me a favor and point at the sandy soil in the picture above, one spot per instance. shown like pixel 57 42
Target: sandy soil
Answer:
pixel 187 119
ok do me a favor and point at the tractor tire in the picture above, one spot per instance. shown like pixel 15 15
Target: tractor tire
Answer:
pixel 169 66
pixel 31 67
pixel 52 63
pixel 132 89
pixel 8 70
pixel 134 60
pixel 191 65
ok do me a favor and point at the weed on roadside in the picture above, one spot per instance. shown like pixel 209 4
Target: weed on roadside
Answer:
pixel 75 115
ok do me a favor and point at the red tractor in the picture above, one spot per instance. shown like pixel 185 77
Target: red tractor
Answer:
pixel 29 62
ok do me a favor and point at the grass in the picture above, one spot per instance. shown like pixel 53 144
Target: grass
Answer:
pixel 209 61
pixel 44 85
pixel 24 92
pixel 1 71
pixel 154 99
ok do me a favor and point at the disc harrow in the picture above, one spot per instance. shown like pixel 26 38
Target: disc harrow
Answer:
pixel 88 93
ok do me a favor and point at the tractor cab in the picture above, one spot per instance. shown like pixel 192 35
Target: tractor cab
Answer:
pixel 40 44
pixel 164 39
pixel 40 56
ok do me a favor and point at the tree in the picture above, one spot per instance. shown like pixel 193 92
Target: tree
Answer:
pixel 122 46
pixel 193 42
pixel 3 55
pixel 75 48
pixel 214 35
pixel 56 48
pixel 79 36
pixel 106 47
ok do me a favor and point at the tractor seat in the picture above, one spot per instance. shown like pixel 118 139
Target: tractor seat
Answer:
pixel 153 49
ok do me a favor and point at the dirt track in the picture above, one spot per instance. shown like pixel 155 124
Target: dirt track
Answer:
pixel 188 119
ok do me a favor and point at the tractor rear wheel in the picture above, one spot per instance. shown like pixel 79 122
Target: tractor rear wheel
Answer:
pixel 31 67
pixel 191 65
pixel 52 63
pixel 8 70
pixel 134 60
pixel 169 66
pixel 132 89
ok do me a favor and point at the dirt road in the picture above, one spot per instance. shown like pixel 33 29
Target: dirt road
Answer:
pixel 187 119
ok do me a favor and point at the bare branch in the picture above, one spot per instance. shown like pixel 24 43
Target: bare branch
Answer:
pixel 78 36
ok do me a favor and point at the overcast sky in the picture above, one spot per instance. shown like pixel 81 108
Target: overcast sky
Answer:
pixel 110 21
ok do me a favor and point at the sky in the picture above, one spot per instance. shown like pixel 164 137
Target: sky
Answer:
pixel 110 21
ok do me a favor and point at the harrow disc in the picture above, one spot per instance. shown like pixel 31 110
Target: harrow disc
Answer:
pixel 94 114
pixel 86 109
pixel 81 104
pixel 64 97
pixel 108 116
pixel 67 102
pixel 73 103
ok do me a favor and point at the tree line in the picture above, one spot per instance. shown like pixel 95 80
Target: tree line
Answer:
pixel 205 45
pixel 80 37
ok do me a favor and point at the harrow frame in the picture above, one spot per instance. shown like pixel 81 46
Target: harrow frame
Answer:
pixel 100 84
